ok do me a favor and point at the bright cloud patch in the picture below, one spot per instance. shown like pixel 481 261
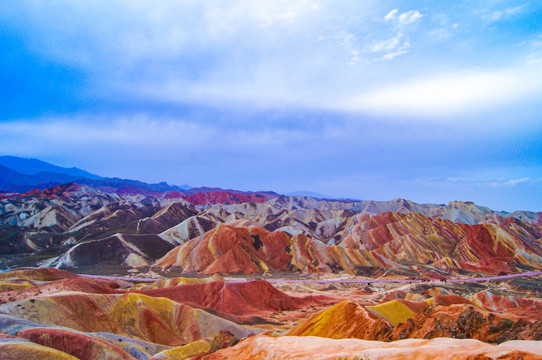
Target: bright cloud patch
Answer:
pixel 405 18
pixel 452 93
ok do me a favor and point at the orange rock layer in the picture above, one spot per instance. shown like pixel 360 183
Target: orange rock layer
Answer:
pixel 263 347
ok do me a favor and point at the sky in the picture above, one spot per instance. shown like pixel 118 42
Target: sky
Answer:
pixel 432 101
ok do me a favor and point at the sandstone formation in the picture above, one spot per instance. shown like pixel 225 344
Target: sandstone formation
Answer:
pixel 152 319
pixel 69 225
pixel 237 298
pixel 344 320
pixel 314 348
pixel 347 279
pixel 61 314
pixel 383 240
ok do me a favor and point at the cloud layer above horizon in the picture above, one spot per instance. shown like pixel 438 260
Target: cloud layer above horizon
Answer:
pixel 366 99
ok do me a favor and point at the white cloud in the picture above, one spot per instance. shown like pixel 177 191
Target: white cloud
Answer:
pixel 477 181
pixel 514 182
pixel 393 55
pixel 304 53
pixel 453 93
pixel 135 132
pixel 399 43
pixel 409 17
pixel 502 14
pixel 405 18
pixel 92 131
pixel 391 14
pixel 392 47
pixel 131 31
pixel 501 182
pixel 386 45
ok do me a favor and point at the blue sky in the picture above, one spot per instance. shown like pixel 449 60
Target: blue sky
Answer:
pixel 425 100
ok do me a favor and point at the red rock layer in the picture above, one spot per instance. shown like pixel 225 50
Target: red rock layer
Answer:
pixel 74 343
pixel 152 319
pixel 86 285
pixel 217 197
pixel 230 249
pixel 42 274
pixel 465 321
pixel 61 191
pixel 518 307
pixel 224 197
pixel 242 298
pixel 377 240
pixel 486 247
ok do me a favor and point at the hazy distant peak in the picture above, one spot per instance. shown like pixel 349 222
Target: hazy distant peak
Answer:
pixel 35 166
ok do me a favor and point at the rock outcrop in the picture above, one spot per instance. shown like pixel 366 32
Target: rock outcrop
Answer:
pixel 315 348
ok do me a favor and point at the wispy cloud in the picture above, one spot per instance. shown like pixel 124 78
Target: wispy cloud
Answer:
pixel 500 15
pixel 386 45
pixel 405 18
pixel 391 15
pixel 399 43
pixel 509 182
pixel 493 183
pixel 409 17
pixel 390 48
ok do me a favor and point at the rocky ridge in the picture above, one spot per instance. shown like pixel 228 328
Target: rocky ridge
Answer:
pixel 69 226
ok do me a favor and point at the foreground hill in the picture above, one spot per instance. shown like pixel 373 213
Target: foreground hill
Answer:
pixel 54 314
pixel 308 348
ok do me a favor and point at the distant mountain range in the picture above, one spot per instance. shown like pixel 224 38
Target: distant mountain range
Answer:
pixel 35 166
pixel 21 175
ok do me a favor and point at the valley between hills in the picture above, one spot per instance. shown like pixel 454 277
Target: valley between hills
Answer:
pixel 133 272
